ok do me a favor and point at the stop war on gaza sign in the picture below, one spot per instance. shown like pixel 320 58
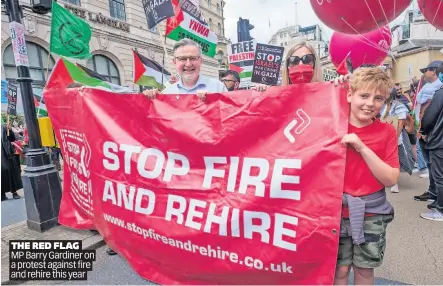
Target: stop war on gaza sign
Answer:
pixel 246 185
pixel 267 64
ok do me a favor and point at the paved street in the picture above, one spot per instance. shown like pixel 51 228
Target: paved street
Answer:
pixel 13 211
pixel 414 254
pixel 105 273
pixel 414 251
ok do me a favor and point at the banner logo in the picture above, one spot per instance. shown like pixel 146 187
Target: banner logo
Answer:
pixel 305 121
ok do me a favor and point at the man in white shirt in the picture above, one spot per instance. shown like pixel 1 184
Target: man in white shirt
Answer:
pixel 188 61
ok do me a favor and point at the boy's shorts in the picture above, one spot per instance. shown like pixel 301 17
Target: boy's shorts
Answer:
pixel 369 254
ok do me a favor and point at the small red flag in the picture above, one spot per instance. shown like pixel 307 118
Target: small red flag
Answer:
pixel 36 103
pixel 345 66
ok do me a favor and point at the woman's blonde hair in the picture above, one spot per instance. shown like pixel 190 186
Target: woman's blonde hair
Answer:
pixel 318 72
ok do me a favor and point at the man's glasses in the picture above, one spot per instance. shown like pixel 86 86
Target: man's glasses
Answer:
pixel 228 80
pixel 185 59
pixel 308 59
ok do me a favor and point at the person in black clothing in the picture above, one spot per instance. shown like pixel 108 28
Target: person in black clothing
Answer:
pixel 11 171
pixel 432 129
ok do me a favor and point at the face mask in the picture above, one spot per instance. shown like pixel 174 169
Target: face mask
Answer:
pixel 301 74
pixel 440 77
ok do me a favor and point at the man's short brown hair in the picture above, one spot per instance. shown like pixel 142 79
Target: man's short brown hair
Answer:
pixel 372 78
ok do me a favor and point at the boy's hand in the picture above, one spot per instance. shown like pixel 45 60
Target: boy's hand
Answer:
pixel 354 141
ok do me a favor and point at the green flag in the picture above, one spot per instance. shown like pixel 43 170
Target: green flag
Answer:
pixel 70 35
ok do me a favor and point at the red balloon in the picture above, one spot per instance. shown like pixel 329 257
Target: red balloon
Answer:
pixel 432 10
pixel 369 48
pixel 354 17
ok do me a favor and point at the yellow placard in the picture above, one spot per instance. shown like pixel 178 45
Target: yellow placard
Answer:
pixel 47 132
pixel 393 120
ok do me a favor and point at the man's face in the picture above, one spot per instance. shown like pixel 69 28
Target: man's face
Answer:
pixel 188 62
pixel 365 105
pixel 430 75
pixel 230 82
pixel 399 90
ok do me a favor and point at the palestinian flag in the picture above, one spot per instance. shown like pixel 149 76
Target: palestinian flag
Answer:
pixel 243 68
pixel 183 25
pixel 68 74
pixel 40 106
pixel 92 73
pixel 148 72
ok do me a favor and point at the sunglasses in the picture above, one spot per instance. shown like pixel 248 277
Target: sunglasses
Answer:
pixel 308 59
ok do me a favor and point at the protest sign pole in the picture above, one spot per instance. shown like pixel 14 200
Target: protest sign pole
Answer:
pixel 46 78
pixel 164 55
pixel 41 182
pixel 162 36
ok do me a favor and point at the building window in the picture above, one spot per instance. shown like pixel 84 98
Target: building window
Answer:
pixel 281 44
pixel 74 2
pixel 38 65
pixel 218 8
pixel 281 36
pixel 105 67
pixel 219 29
pixel 117 8
pixel 209 4
pixel 210 24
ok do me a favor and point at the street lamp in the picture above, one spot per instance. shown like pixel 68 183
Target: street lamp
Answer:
pixel 41 183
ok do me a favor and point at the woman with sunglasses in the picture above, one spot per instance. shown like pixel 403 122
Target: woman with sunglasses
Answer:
pixel 302 65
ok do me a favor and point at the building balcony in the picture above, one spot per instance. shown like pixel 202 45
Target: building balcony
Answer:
pixel 222 40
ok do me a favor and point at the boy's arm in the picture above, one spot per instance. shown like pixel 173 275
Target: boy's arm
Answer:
pixel 382 170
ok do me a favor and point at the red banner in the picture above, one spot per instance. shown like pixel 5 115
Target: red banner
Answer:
pixel 242 189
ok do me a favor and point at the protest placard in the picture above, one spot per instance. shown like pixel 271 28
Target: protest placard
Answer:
pixel 241 59
pixel 157 11
pixel 12 100
pixel 393 120
pixel 267 64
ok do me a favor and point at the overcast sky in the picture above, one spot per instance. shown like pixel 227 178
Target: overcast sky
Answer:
pixel 280 13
